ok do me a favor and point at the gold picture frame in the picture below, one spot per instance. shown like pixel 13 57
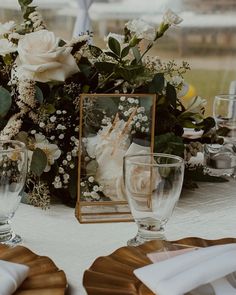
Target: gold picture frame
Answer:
pixel 111 125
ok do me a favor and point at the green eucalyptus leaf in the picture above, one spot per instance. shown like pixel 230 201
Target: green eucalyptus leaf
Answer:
pixel 114 45
pixel 61 43
pixel 85 69
pixel 39 94
pixel 28 10
pixel 95 51
pixel 169 143
pixel 38 162
pixel 157 84
pixel 5 101
pixel 125 51
pixel 171 94
pixel 188 124
pixel 49 108
pixel 22 136
pixel 85 89
pixel 105 67
pixel 136 54
pixel 111 54
pixel 129 73
pixel 25 2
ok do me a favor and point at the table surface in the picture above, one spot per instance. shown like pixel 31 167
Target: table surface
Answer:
pixel 207 212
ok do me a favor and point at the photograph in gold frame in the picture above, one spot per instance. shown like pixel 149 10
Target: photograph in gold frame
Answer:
pixel 111 126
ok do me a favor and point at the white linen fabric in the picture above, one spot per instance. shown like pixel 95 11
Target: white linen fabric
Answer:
pixel 181 274
pixel 11 276
pixel 82 23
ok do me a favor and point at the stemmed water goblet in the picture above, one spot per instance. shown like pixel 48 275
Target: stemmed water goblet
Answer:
pixel 13 170
pixel 153 183
pixel 220 160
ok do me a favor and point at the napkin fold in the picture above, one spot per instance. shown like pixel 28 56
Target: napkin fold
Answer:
pixel 11 276
pixel 183 273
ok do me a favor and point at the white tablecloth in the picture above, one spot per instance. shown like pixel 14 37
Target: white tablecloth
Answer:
pixel 208 212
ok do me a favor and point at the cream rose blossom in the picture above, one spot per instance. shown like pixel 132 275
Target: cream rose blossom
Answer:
pixel 171 18
pixel 41 59
pixel 141 29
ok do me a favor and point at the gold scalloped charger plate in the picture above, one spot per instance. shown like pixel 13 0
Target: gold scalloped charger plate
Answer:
pixel 113 274
pixel 44 277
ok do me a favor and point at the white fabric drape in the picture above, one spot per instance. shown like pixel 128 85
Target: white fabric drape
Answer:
pixel 82 23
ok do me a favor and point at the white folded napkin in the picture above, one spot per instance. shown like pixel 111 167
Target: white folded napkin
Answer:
pixel 11 276
pixel 183 273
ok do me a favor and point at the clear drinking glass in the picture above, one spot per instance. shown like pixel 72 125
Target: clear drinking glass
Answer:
pixel 153 183
pixel 224 112
pixel 220 160
pixel 13 170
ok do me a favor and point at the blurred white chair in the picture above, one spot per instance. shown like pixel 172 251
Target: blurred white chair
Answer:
pixel 232 87
pixel 82 23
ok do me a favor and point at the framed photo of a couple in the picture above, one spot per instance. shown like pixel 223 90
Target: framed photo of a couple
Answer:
pixel 111 127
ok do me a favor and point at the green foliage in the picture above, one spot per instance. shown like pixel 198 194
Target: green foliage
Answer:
pixel 5 101
pixel 157 84
pixel 169 143
pixel 105 67
pixel 125 51
pixel 38 162
pixel 95 51
pixel 114 46
pixel 25 8
pixel 39 95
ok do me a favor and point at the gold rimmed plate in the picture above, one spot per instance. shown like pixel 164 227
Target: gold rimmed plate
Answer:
pixel 44 277
pixel 113 274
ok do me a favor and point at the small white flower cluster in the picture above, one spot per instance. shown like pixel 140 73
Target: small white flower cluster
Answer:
pixel 37 21
pixel 91 189
pixel 26 99
pixel 140 121
pixel 39 193
pixel 6 44
pixel 106 120
pixel 12 128
pixel 79 39
pixel 26 103
pixel 68 163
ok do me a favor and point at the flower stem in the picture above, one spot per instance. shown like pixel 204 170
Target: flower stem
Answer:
pixel 104 81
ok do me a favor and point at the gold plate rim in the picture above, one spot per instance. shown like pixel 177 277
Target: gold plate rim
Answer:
pixel 44 277
pixel 113 274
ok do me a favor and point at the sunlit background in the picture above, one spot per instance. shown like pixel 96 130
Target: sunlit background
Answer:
pixel 206 38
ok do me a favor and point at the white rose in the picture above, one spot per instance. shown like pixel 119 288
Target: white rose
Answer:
pixel 196 105
pixel 141 181
pixel 6 28
pixel 6 47
pixel 141 29
pixel 41 59
pixel 171 18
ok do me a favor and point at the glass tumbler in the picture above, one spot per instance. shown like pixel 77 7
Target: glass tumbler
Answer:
pixel 153 183
pixel 13 170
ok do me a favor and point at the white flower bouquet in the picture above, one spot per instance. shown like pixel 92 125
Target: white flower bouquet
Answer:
pixel 42 77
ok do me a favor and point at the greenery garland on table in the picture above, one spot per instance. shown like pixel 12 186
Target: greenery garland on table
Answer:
pixel 42 77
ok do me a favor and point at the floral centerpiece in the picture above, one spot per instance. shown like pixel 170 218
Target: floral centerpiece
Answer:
pixel 43 76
